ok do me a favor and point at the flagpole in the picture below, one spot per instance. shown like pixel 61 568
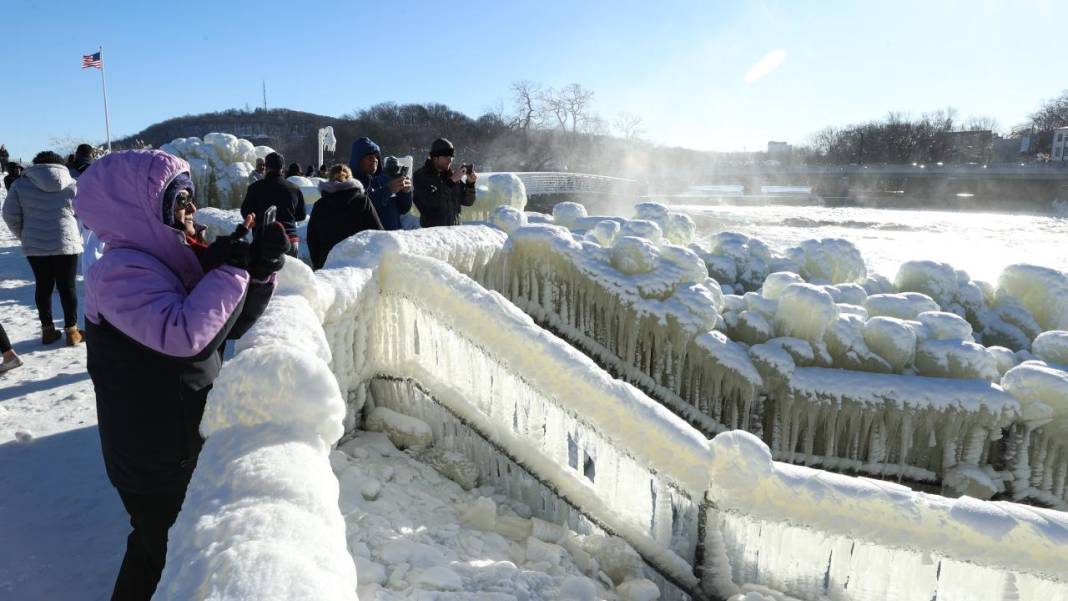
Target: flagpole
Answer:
pixel 103 85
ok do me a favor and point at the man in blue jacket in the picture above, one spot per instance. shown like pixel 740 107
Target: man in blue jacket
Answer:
pixel 391 197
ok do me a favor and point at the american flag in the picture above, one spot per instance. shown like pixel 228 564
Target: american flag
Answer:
pixel 92 60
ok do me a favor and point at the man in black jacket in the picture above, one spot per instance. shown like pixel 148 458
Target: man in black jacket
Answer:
pixel 274 190
pixel 439 190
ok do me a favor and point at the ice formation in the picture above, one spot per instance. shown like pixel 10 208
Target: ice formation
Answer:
pixel 804 311
pixel 828 261
pixel 261 510
pixel 1043 291
pixel 507 219
pixel 220 165
pixel 891 339
pixel 637 308
pixel 568 214
pixel 1052 347
pixel 906 305
pixel 677 228
pixel 496 190
pixel 815 535
pixel 411 335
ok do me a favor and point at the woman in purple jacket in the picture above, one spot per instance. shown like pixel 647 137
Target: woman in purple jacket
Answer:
pixel 159 305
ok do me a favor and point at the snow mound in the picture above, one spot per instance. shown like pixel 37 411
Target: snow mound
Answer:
pixel 907 305
pixel 1042 391
pixel 776 282
pixel 262 386
pixel 945 326
pixel 804 311
pixel 677 228
pixel 955 359
pixel 828 261
pixel 642 229
pixel 1042 290
pixel 1052 347
pixel 892 340
pixel 493 190
pixel 936 280
pixel 632 255
pixel 742 262
pixel 507 219
pixel 603 233
pixel 568 214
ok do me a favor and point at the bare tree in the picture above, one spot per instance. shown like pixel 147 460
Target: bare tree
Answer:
pixel 568 107
pixel 525 96
pixel 629 126
pixel 1052 114
pixel 979 123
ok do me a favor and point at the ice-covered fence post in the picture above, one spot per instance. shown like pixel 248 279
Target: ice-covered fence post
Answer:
pixel 260 518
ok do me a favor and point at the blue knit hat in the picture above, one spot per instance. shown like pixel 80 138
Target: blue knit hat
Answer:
pixel 181 182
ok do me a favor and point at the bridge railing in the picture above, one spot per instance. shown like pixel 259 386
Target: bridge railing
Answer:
pixel 262 522
pixel 549 182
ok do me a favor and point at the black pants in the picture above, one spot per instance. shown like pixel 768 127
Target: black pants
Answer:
pixel 146 547
pixel 51 272
pixel 5 344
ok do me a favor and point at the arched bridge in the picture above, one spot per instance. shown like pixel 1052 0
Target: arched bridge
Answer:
pixel 559 183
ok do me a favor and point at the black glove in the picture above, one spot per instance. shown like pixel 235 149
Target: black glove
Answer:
pixel 227 251
pixel 268 251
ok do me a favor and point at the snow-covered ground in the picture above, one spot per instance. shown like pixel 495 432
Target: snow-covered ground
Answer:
pixel 415 534
pixel 62 526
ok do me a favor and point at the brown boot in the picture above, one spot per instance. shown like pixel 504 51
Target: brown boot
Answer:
pixel 49 334
pixel 74 336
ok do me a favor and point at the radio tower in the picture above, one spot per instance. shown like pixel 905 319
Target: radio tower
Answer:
pixel 265 95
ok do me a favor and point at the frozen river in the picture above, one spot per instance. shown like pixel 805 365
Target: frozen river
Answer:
pixel 979 243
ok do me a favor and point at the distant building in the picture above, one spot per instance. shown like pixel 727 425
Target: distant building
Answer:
pixel 968 146
pixel 779 151
pixel 1060 144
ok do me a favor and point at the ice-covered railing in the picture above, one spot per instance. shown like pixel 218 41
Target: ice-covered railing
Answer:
pixel 649 318
pixel 260 518
pixel 648 314
pixel 545 405
pixel 871 377
pixel 261 492
pixel 817 535
pixel 597 440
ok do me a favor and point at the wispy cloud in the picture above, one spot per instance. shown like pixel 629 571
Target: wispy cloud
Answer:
pixel 765 65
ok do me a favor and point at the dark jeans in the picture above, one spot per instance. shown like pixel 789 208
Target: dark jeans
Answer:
pixel 146 547
pixel 5 344
pixel 51 272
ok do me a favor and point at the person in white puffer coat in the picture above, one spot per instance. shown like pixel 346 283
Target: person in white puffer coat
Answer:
pixel 39 211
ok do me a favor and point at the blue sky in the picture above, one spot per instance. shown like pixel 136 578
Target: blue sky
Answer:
pixel 681 65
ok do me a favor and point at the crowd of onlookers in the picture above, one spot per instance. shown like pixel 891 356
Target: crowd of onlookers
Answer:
pixel 161 301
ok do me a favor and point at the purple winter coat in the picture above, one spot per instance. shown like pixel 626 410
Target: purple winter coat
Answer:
pixel 154 322
pixel 148 283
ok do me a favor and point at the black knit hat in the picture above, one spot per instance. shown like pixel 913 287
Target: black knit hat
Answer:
pixel 442 148
pixel 274 161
